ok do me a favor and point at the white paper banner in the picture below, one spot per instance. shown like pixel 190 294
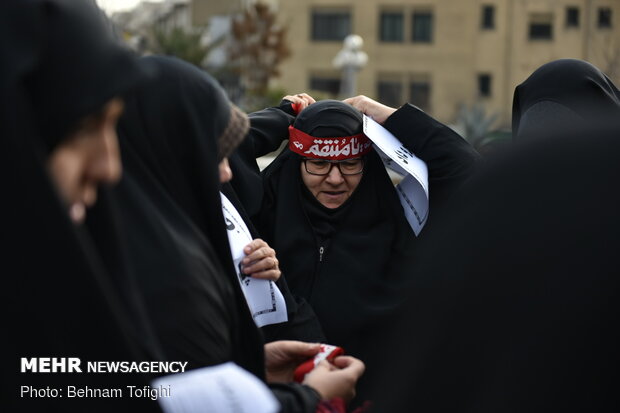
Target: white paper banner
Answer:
pixel 264 298
pixel 413 189
pixel 225 388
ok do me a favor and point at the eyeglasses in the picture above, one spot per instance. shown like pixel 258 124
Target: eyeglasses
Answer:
pixel 322 167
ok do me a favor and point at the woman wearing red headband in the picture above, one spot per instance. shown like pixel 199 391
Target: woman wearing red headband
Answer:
pixel 329 208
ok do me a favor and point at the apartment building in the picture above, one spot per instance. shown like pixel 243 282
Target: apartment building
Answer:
pixel 442 54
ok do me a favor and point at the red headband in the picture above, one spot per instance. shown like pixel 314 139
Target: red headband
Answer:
pixel 336 148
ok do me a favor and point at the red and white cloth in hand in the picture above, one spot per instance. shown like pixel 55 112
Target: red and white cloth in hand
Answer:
pixel 328 352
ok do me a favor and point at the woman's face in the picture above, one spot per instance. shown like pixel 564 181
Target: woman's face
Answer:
pixel 333 189
pixel 86 158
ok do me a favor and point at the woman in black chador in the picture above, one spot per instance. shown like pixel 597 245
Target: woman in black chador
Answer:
pixel 518 311
pixel 562 95
pixel 177 240
pixel 60 83
pixel 336 221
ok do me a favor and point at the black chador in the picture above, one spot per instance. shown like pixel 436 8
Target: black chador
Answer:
pixel 351 263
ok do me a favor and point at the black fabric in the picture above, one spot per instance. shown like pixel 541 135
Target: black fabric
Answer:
pixel 178 238
pixel 562 95
pixel 172 209
pixel 329 118
pixel 302 324
pixel 99 67
pixel 324 221
pixel 57 299
pixel 514 304
pixel 186 292
pixel 357 286
pixel 245 191
pixel 104 226
pixel 268 128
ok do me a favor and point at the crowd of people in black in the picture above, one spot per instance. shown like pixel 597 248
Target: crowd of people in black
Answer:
pixel 138 226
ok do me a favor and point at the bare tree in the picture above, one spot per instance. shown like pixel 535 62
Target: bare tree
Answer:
pixel 258 47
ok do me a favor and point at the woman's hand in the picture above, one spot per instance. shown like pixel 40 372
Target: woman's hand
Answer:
pixel 282 358
pixel 337 379
pixel 260 261
pixel 378 111
pixel 300 101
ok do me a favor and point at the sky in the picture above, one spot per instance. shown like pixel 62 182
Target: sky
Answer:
pixel 110 6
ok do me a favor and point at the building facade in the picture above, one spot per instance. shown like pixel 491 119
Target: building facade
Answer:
pixel 442 54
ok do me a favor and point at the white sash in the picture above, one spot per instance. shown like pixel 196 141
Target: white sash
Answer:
pixel 225 388
pixel 263 297
pixel 413 189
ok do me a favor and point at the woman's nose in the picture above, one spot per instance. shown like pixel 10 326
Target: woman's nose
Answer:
pixel 334 176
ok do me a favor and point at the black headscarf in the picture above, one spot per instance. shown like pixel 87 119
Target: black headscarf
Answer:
pixel 366 242
pixel 330 118
pixel 562 95
pixel 61 301
pixel 517 310
pixel 171 207
pixel 98 67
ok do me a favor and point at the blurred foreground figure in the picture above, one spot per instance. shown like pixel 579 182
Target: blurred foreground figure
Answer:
pixel 561 95
pixel 59 84
pixel 518 309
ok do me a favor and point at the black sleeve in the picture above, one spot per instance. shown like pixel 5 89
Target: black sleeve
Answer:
pixel 295 398
pixel 268 129
pixel 449 157
pixel 302 324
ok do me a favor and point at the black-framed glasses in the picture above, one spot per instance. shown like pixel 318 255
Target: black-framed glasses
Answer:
pixel 323 167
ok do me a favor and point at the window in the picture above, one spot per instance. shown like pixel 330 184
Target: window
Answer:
pixel 420 92
pixel 390 92
pixel 326 84
pixel 422 27
pixel 330 25
pixel 541 27
pixel 604 17
pixel 488 17
pixel 484 85
pixel 572 17
pixel 391 27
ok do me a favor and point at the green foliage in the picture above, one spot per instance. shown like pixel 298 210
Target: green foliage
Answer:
pixel 182 44
pixel 477 125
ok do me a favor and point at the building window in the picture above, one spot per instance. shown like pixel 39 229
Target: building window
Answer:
pixel 484 85
pixel 390 92
pixel 604 17
pixel 325 84
pixel 422 27
pixel 541 26
pixel 420 93
pixel 391 27
pixel 488 17
pixel 330 25
pixel 572 17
